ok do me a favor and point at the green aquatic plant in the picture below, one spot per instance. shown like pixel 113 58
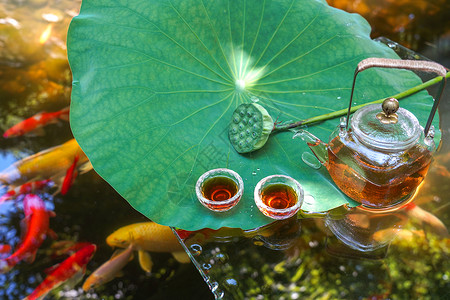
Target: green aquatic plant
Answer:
pixel 155 85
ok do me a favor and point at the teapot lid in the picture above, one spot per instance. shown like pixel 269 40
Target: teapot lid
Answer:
pixel 388 131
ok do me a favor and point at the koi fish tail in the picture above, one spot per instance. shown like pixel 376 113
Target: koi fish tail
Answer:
pixel 437 226
pixel 64 113
pixel 6 265
pixel 5 198
pixel 85 167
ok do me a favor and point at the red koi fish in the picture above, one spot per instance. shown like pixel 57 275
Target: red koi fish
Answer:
pixel 72 268
pixel 4 250
pixel 37 121
pixel 37 224
pixel 26 188
pixel 71 174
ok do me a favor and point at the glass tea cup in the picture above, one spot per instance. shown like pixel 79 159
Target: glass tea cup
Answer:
pixel 219 189
pixel 278 196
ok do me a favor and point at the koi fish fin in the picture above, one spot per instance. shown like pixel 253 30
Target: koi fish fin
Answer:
pixel 7 196
pixel 51 213
pixel 58 177
pixel 52 234
pixel 75 279
pixel 4 266
pixel 145 261
pixel 38 132
pixel 70 283
pixel 57 191
pixel 58 180
pixel 85 167
pixel 116 252
pixel 60 248
pixel 30 257
pixel 181 257
pixel 71 175
pixel 64 113
pixel 119 273
pixel 24 227
pixel 51 269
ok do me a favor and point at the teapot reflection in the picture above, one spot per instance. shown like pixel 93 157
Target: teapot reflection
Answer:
pixel 367 230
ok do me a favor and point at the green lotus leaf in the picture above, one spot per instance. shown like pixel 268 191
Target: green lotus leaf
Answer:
pixel 155 84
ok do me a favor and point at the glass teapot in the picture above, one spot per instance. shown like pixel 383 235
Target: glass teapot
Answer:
pixel 385 154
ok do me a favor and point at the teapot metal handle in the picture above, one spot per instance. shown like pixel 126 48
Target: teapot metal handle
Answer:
pixel 419 65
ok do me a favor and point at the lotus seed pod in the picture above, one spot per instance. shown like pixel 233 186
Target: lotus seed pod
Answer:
pixel 253 128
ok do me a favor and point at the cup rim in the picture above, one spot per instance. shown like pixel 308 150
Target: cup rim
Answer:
pixel 260 203
pixel 233 176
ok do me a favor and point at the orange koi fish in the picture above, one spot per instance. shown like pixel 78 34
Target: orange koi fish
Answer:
pixel 107 271
pixel 25 188
pixel 427 218
pixel 71 174
pixel 73 268
pixel 37 121
pixel 51 163
pixel 37 224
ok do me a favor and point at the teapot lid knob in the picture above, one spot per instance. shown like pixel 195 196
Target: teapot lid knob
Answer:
pixel 390 107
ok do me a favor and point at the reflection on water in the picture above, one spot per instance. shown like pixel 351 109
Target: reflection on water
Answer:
pixel 291 259
pixel 415 24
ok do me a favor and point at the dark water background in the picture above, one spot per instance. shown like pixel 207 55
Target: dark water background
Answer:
pixel 35 77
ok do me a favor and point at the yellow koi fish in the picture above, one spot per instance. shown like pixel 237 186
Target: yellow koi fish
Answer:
pixel 148 236
pixel 48 164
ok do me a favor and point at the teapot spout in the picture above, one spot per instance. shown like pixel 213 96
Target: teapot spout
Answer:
pixel 318 147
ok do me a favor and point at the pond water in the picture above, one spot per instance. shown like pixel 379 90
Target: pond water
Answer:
pixel 35 77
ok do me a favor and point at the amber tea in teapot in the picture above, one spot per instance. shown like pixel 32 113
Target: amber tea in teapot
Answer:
pixel 372 184
pixel 385 154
